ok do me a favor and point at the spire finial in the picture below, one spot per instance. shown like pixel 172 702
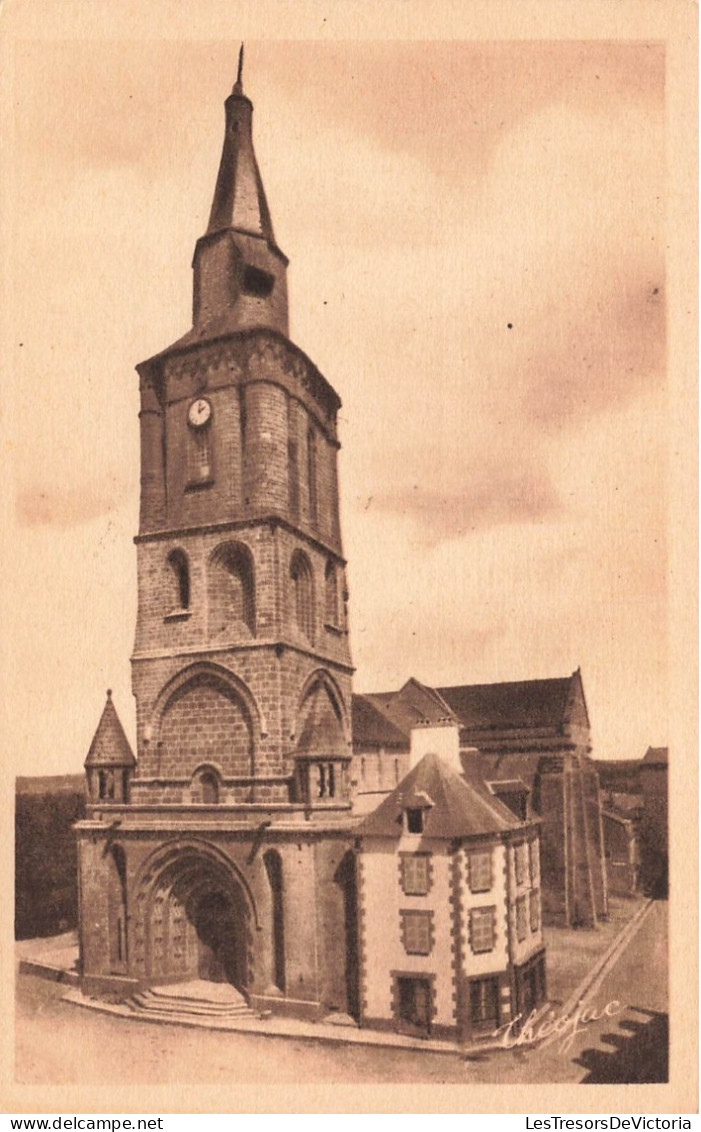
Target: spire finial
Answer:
pixel 238 85
pixel 109 693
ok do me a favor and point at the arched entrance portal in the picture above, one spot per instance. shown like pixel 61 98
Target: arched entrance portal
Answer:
pixel 197 922
pixel 221 938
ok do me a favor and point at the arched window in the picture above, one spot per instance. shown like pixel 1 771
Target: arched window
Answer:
pixel 273 868
pixel 331 580
pixel 232 603
pixel 106 785
pixel 210 788
pixel 178 581
pixel 303 587
pixel 311 475
pixel 293 477
pixel 199 457
pixel 204 787
pixel 117 908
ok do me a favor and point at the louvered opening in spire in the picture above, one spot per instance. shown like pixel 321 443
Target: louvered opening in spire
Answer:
pixel 239 269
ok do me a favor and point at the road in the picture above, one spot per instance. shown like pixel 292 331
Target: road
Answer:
pixel 627 1046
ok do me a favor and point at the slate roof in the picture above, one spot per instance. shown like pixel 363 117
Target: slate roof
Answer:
pixel 413 703
pixel 454 806
pixel 376 729
pixel 110 746
pixel 239 197
pixel 513 705
pixel 322 732
pixel 656 756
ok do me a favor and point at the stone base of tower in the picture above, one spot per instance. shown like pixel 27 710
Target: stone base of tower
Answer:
pixel 267 905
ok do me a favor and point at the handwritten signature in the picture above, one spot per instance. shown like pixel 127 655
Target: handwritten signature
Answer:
pixel 564 1028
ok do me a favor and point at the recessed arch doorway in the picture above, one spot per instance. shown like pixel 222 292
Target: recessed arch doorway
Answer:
pixel 221 938
pixel 196 921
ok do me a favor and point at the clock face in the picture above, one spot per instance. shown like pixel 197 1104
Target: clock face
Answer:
pixel 199 412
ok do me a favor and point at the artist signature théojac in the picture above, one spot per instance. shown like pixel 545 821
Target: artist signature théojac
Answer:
pixel 563 1028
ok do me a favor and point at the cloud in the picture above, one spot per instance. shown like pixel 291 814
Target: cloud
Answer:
pixel 613 352
pixel 490 495
pixel 523 600
pixel 528 311
pixel 50 506
pixel 474 257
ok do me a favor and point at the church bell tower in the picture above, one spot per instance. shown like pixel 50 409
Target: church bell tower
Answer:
pixel 241 666
pixel 223 853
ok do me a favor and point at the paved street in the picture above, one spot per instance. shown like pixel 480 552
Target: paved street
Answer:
pixel 629 1045
pixel 626 1047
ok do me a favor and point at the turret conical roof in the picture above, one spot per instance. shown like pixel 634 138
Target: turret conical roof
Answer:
pixel 110 746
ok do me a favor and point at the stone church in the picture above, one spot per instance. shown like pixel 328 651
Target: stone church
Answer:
pixel 227 850
pixel 241 665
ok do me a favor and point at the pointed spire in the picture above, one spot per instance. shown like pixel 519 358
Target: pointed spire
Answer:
pixel 238 85
pixel 239 271
pixel 110 746
pixel 239 198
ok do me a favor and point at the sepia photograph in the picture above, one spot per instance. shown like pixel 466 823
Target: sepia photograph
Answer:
pixel 350 556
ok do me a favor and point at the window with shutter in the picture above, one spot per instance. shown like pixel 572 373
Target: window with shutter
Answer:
pixel 482 929
pixel 417 932
pixel 415 874
pixel 521 927
pixel 480 871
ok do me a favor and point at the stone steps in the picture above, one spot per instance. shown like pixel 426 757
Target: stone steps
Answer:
pixel 201 999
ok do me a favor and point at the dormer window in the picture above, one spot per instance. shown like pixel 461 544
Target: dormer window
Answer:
pixel 514 794
pixel 414 820
pixel 257 283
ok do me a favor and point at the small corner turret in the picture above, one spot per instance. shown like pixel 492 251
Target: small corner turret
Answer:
pixel 110 760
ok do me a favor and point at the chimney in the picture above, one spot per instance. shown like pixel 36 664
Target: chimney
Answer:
pixel 441 738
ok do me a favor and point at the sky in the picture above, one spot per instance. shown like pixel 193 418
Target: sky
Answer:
pixel 476 234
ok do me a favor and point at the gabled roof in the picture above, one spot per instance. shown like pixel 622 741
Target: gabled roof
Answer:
pixel 454 807
pixel 516 704
pixel 413 703
pixel 110 746
pixel 511 706
pixel 374 727
pixel 656 756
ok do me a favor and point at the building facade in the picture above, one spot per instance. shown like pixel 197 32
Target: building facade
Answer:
pixel 226 849
pixel 223 850
pixel 532 736
pixel 449 902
